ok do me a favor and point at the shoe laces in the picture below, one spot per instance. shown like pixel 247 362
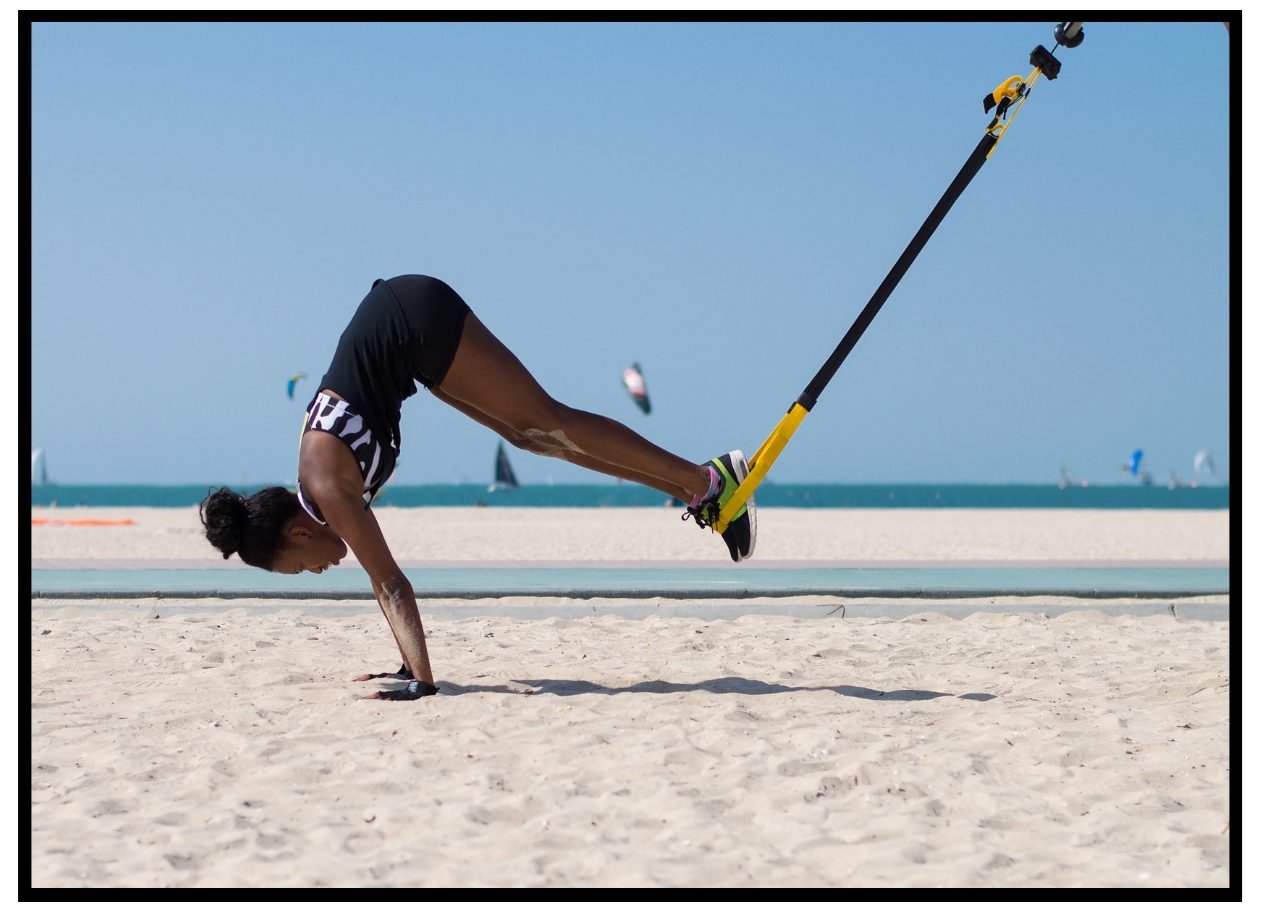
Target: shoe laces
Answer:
pixel 704 514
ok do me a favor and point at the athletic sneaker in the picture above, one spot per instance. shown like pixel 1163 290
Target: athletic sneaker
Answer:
pixel 741 534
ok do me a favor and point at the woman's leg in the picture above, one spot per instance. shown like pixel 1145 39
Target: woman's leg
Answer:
pixel 489 383
pixel 513 437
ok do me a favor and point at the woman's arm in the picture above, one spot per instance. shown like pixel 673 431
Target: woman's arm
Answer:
pixel 339 496
pixel 359 528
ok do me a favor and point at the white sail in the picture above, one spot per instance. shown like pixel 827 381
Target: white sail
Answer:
pixel 39 470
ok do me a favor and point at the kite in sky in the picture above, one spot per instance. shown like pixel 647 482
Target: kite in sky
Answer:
pixel 636 385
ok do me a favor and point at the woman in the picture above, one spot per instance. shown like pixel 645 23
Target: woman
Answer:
pixel 417 329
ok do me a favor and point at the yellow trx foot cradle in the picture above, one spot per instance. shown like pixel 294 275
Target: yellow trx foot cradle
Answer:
pixel 760 463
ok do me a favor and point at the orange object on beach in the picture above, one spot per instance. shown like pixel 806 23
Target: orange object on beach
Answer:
pixel 82 521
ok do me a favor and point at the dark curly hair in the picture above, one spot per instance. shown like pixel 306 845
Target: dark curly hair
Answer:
pixel 250 526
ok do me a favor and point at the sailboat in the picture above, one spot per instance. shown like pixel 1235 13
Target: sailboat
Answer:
pixel 1136 468
pixel 503 473
pixel 39 467
pixel 1203 464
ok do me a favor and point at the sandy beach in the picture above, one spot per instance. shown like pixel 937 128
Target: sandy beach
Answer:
pixel 1057 743
pixel 658 536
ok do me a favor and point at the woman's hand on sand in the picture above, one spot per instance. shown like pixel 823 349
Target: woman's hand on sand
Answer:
pixel 414 690
pixel 404 674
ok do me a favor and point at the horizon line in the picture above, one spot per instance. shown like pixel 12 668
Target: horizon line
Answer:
pixel 793 483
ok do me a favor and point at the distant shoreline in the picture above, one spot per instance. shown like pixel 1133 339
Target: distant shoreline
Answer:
pixel 626 495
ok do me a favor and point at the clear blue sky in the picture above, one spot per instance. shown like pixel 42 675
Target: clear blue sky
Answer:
pixel 715 201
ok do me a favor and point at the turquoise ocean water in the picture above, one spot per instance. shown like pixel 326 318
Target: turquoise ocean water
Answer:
pixel 770 494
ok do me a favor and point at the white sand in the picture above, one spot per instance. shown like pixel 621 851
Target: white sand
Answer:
pixel 658 535
pixel 223 744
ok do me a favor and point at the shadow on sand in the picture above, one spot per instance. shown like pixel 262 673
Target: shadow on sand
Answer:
pixel 740 685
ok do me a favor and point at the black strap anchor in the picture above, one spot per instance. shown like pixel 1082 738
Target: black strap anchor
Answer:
pixel 1005 100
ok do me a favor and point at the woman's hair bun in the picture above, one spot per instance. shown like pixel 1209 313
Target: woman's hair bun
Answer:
pixel 224 517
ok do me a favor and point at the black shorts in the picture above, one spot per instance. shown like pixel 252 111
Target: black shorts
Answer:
pixel 436 315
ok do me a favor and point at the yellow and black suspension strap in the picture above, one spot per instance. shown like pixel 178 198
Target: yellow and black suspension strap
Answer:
pixel 1006 100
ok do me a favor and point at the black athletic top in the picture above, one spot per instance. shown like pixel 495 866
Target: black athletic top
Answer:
pixel 331 415
pixel 372 371
pixel 405 330
pixel 372 368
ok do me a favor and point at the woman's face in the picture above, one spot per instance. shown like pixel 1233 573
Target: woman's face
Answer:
pixel 309 547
